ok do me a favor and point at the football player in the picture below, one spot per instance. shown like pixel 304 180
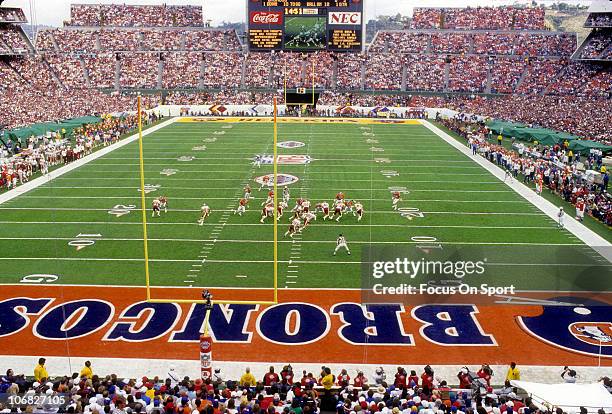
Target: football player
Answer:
pixel 308 218
pixel 267 211
pixel 205 212
pixel 247 193
pixel 257 161
pixel 286 195
pixel 324 207
pixel 396 197
pixel 359 210
pixel 282 206
pixel 270 198
pixel 338 209
pixel 241 207
pixel 265 182
pixel 294 227
pixel 163 203
pixel 156 207
pixel 341 243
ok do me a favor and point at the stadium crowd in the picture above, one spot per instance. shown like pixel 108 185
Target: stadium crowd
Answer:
pixel 20 159
pixel 125 15
pixel 599 20
pixel 496 18
pixel 560 169
pixel 287 392
pixel 12 15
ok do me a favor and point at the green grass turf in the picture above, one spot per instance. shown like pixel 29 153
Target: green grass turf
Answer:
pixel 461 202
pixel 593 224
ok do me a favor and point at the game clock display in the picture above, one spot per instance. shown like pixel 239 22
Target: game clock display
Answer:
pixel 305 25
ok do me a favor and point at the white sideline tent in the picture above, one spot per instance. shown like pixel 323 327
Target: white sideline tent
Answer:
pixel 569 397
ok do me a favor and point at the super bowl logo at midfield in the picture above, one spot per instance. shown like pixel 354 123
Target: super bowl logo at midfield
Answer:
pixel 331 324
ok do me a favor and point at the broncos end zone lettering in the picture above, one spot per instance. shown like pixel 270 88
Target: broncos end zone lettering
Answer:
pixel 330 323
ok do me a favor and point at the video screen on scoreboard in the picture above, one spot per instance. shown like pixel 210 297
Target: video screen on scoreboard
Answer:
pixel 305 25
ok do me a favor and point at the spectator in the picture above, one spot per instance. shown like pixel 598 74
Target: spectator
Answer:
pixel 247 379
pixel 40 372
pixel 87 371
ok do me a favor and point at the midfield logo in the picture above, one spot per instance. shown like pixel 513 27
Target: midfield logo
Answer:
pixel 286 159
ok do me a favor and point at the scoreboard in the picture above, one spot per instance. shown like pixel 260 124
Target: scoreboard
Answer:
pixel 305 25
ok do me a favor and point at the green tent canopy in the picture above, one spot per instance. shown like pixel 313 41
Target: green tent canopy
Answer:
pixel 42 128
pixel 544 136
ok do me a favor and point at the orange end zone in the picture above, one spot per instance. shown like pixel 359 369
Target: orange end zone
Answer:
pixel 306 326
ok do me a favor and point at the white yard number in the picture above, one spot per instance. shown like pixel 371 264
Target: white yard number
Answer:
pixel 426 243
pixel 82 240
pixel 39 278
pixel 410 212
pixel 148 188
pixel 121 210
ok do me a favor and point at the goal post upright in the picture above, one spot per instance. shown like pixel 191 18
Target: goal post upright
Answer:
pixel 149 296
pixel 143 199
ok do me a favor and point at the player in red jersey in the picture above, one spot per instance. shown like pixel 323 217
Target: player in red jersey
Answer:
pixel 396 197
pixel 580 207
pixel 270 198
pixel 265 182
pixel 340 196
pixel 241 206
pixel 247 193
pixel 349 207
pixel 306 206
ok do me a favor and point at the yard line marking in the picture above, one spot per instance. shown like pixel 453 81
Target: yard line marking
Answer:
pixel 89 187
pixel 226 198
pixel 335 180
pixel 496 213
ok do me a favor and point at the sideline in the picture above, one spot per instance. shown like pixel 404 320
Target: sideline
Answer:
pixel 134 368
pixel 586 235
pixel 58 172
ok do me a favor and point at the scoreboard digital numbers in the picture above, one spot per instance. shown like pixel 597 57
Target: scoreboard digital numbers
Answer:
pixel 303 25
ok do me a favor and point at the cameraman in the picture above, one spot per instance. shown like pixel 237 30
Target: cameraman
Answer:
pixel 568 375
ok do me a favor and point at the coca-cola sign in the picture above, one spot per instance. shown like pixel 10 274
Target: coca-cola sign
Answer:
pixel 267 18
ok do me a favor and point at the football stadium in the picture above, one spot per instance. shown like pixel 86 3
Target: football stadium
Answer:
pixel 303 207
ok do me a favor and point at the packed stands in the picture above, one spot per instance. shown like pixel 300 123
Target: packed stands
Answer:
pixel 12 38
pixel 599 20
pixel 124 15
pixel 12 15
pixel 598 45
pixel 182 70
pixel 480 18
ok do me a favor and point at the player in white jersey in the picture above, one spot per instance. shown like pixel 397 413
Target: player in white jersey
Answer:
pixel 257 161
pixel 163 203
pixel 308 218
pixel 156 205
pixel 338 209
pixel 267 211
pixel 286 194
pixel 282 206
pixel 205 212
pixel 341 243
pixel 306 206
pixel 359 210
pixel 561 217
pixel 294 227
pixel 324 207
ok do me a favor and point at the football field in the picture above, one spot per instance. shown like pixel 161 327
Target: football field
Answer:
pixel 85 227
